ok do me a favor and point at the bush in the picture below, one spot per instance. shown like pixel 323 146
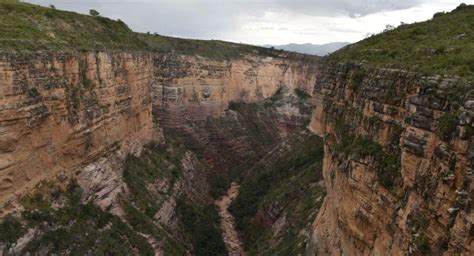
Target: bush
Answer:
pixel 447 125
pixel 10 229
pixel 94 13
pixel 387 164
pixel 302 94
pixel 357 78
pixel 33 93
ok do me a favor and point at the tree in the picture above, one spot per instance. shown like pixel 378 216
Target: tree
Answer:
pixel 388 27
pixel 93 12
pixel 52 6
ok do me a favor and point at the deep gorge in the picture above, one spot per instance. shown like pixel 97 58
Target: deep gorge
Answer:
pixel 126 151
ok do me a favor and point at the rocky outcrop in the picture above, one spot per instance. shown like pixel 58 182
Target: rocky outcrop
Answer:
pixel 192 96
pixel 398 147
pixel 65 111
pixel 398 163
pixel 194 88
pixel 62 111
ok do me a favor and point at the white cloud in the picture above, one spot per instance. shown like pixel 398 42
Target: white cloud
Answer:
pixel 263 21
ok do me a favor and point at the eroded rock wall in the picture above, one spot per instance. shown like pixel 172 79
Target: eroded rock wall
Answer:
pixel 190 90
pixel 376 120
pixel 195 88
pixel 64 110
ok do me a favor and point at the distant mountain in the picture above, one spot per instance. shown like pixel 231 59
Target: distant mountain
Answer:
pixel 314 49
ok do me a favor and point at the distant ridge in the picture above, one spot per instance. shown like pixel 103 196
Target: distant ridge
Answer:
pixel 313 49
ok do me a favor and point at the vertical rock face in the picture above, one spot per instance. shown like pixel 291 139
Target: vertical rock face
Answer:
pixel 398 147
pixel 190 89
pixel 61 111
pixel 398 165
pixel 195 88
pixel 64 111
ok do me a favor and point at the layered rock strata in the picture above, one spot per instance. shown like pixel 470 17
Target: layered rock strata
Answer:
pixel 59 112
pixel 398 163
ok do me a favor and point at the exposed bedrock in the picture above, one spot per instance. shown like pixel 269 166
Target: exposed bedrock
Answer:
pixel 59 112
pixel 398 163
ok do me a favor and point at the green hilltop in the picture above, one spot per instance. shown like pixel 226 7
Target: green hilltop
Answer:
pixel 29 27
pixel 443 45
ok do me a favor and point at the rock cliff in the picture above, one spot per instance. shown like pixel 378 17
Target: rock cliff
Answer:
pixel 61 111
pixel 398 162
pixel 129 137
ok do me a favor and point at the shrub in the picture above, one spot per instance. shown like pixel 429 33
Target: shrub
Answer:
pixel 447 125
pixel 33 93
pixel 10 229
pixel 302 94
pixel 93 12
pixel 357 78
pixel 387 164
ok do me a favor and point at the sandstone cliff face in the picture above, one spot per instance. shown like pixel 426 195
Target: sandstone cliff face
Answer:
pixel 398 121
pixel 203 87
pixel 59 112
pixel 190 90
pixel 397 166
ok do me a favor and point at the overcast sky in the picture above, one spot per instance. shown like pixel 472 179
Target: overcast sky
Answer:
pixel 262 21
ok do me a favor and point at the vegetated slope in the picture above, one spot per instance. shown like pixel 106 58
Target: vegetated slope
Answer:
pixel 28 27
pixel 314 49
pixel 280 197
pixel 440 46
pixel 159 214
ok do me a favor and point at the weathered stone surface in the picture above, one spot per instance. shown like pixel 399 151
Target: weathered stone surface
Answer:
pixel 64 110
pixel 361 217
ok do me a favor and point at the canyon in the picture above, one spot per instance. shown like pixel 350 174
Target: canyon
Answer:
pixel 135 147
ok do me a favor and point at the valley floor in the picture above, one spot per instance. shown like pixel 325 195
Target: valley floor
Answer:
pixel 230 235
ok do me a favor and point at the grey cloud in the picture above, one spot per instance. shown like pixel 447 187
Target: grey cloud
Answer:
pixel 216 18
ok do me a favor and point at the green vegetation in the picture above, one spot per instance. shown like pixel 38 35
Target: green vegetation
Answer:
pixel 11 229
pixel 28 27
pixel 198 223
pixel 419 224
pixel 250 122
pixel 447 125
pixel 156 162
pixel 93 12
pixel 357 78
pixel 74 227
pixel 442 45
pixel 286 180
pixel 387 163
pixel 201 224
pixel 209 48
pixel 33 93
pixel 302 94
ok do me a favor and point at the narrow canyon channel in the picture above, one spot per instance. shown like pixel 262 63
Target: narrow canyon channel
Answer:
pixel 230 235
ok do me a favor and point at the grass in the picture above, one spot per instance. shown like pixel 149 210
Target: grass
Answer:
pixel 209 48
pixel 442 45
pixel 28 27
